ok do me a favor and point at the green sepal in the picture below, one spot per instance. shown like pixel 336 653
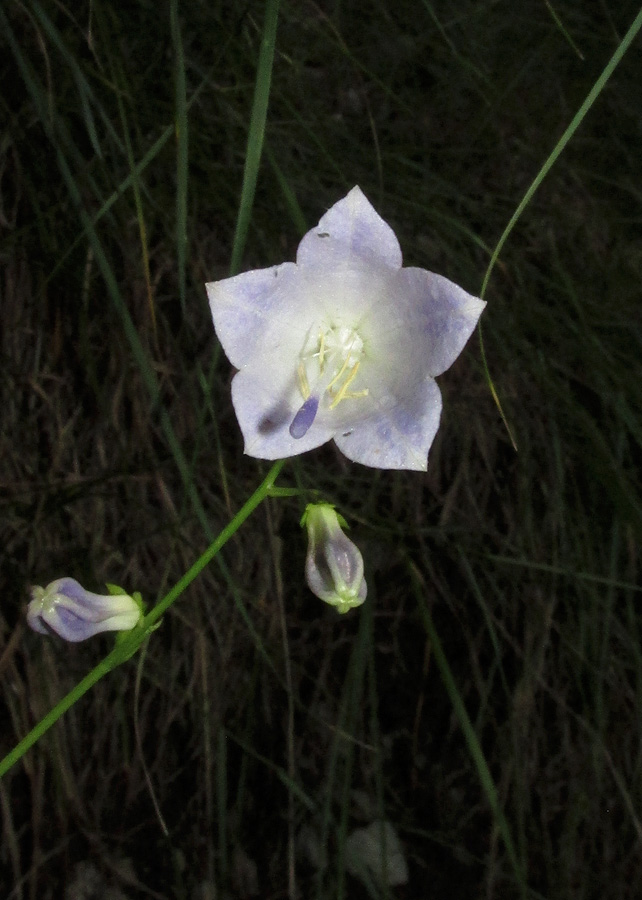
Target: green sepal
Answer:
pixel 304 517
pixel 137 597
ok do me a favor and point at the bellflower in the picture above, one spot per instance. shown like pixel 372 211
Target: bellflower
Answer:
pixel 75 614
pixel 333 565
pixel 344 344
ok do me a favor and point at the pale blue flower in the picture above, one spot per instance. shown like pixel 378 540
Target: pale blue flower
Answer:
pixel 345 344
pixel 333 565
pixel 75 614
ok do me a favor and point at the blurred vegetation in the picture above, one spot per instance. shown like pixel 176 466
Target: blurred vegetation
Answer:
pixel 259 728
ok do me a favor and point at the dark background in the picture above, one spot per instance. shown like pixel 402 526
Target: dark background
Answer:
pixel 259 719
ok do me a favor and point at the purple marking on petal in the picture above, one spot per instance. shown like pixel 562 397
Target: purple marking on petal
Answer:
pixel 71 626
pixel 69 587
pixel 303 420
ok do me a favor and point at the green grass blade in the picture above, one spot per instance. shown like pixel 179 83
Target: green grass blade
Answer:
pixel 564 31
pixel 539 178
pixel 474 747
pixel 128 182
pixel 182 156
pixel 82 86
pixel 142 229
pixel 593 94
pixel 257 132
pixel 291 202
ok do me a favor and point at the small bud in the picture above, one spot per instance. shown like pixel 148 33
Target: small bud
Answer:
pixel 75 614
pixel 334 565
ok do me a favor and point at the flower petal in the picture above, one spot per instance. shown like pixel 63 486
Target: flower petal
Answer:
pixel 351 234
pixel 439 314
pixel 265 412
pixel 400 434
pixel 248 307
pixel 34 618
pixel 71 625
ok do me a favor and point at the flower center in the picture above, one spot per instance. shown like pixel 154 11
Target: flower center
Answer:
pixel 328 365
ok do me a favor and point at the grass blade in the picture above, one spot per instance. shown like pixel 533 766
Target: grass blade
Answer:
pixel 182 156
pixel 474 747
pixel 257 132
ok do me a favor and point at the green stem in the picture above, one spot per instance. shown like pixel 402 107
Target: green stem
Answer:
pixel 129 643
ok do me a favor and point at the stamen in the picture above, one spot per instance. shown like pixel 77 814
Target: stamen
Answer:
pixel 304 385
pixel 304 418
pixel 321 352
pixel 346 384
pixel 326 370
pixel 340 372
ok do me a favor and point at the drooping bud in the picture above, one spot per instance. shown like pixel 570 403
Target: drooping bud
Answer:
pixel 334 565
pixel 75 614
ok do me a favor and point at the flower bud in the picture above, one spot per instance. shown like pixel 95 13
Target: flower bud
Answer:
pixel 75 614
pixel 334 565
